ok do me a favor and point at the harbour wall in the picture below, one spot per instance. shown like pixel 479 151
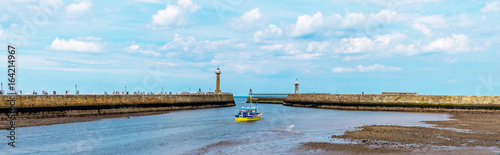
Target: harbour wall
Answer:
pixel 41 106
pixel 266 100
pixel 395 102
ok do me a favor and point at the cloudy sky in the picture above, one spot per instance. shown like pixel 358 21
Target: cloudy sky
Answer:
pixel 371 46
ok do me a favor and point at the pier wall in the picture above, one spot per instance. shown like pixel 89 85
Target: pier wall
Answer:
pixel 266 100
pixel 74 105
pixel 393 101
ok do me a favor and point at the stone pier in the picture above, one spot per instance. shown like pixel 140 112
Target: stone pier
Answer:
pixel 395 102
pixel 41 106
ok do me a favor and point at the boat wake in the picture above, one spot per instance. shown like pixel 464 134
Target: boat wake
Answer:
pixel 290 127
pixel 286 129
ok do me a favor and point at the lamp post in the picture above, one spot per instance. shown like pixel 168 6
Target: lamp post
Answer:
pixel 76 88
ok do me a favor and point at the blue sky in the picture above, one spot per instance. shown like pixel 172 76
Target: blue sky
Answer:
pixel 371 46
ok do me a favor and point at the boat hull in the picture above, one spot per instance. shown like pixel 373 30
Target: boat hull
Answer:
pixel 244 119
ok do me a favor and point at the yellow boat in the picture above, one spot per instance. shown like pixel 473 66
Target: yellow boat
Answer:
pixel 242 119
pixel 248 112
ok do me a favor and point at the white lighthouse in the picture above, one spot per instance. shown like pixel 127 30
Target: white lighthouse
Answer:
pixel 296 86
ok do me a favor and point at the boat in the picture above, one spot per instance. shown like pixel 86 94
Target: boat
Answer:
pixel 248 112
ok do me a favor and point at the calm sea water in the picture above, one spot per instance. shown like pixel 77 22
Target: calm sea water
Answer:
pixel 211 131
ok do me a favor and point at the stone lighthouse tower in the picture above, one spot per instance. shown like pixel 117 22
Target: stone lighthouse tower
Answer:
pixel 217 86
pixel 296 86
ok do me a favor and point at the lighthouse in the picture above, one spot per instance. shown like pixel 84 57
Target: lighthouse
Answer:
pixel 217 86
pixel 296 86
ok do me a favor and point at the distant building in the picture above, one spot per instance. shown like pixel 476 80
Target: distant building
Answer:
pixel 296 86
pixel 217 87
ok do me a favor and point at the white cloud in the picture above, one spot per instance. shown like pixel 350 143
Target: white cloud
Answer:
pixel 184 43
pixel 354 57
pixel 74 9
pixel 149 52
pixel 343 69
pixel 2 37
pixel 353 20
pixel 422 28
pixel 303 56
pixel 407 50
pixel 215 44
pixel 247 21
pixel 361 68
pixel 257 35
pixel 274 47
pixel 387 16
pixel 189 5
pixel 354 45
pixel 271 31
pixel 433 21
pixel 387 39
pixel 395 4
pixel 292 49
pixel 307 24
pixel 76 45
pixel 251 16
pixel 318 46
pixel 450 45
pixel 134 48
pixel 384 45
pixel 149 1
pixel 274 29
pixel 175 14
pixel 491 7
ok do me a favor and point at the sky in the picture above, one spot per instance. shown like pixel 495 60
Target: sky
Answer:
pixel 434 47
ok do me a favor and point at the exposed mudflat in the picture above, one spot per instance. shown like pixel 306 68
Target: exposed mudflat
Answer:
pixel 62 120
pixel 70 116
pixel 467 133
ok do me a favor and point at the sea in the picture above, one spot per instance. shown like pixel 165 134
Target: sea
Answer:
pixel 281 130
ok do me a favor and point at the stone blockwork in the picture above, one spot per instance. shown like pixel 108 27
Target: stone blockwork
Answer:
pixel 394 100
pixel 35 103
pixel 266 100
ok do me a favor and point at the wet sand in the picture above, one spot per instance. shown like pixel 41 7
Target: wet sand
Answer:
pixel 62 120
pixel 70 116
pixel 476 133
